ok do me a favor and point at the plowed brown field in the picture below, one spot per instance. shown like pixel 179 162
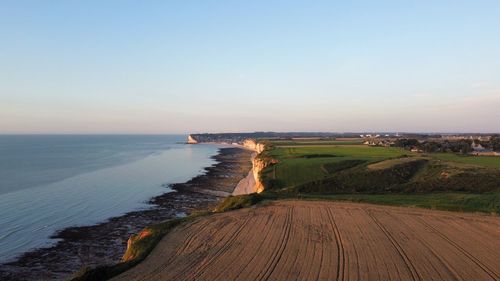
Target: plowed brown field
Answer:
pixel 308 240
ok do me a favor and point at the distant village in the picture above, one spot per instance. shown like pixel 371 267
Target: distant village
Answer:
pixel 484 145
pixel 467 144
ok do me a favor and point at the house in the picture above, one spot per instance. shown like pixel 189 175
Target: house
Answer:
pixel 479 150
pixel 477 147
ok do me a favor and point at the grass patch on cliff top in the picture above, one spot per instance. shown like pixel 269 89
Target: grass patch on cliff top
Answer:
pixel 238 202
pixel 446 201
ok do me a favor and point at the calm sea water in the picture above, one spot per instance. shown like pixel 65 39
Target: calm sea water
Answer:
pixel 48 183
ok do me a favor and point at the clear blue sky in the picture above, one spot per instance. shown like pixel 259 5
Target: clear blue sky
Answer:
pixel 215 66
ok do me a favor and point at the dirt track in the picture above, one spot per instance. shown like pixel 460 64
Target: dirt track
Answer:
pixel 300 240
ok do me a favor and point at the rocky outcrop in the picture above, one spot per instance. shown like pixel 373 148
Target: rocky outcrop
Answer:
pixel 131 252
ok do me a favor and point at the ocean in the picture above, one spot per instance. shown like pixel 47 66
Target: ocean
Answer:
pixel 50 182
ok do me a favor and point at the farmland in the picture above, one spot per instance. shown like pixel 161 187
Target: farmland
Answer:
pixel 301 240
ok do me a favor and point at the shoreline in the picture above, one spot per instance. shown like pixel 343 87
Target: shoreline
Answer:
pixel 105 242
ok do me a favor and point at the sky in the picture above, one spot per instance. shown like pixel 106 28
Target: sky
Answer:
pixel 120 66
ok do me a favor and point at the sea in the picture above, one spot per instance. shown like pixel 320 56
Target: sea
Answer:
pixel 51 182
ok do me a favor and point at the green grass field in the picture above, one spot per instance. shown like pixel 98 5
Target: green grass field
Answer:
pixel 315 142
pixel 486 161
pixel 383 175
pixel 294 169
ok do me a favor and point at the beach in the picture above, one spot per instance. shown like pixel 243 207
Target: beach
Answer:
pixel 105 242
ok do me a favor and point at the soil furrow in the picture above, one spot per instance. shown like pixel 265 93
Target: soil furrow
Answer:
pixel 340 247
pixel 276 258
pixel 223 249
pixel 398 248
pixel 484 267
pixel 294 240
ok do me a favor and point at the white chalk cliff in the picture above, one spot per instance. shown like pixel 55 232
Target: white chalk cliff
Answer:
pixel 191 140
pixel 257 163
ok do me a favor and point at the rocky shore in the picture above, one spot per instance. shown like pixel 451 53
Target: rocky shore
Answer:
pixel 105 243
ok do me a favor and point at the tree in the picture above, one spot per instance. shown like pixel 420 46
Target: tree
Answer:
pixel 431 147
pixel 495 143
pixel 465 146
pixel 406 143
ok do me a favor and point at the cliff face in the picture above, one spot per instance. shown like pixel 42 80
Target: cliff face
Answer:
pixel 258 164
pixel 191 140
pixel 253 145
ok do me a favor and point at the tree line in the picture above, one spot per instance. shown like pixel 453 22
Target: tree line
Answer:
pixel 460 146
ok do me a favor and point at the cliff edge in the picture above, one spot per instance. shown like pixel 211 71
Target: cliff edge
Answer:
pixel 191 140
pixel 258 164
